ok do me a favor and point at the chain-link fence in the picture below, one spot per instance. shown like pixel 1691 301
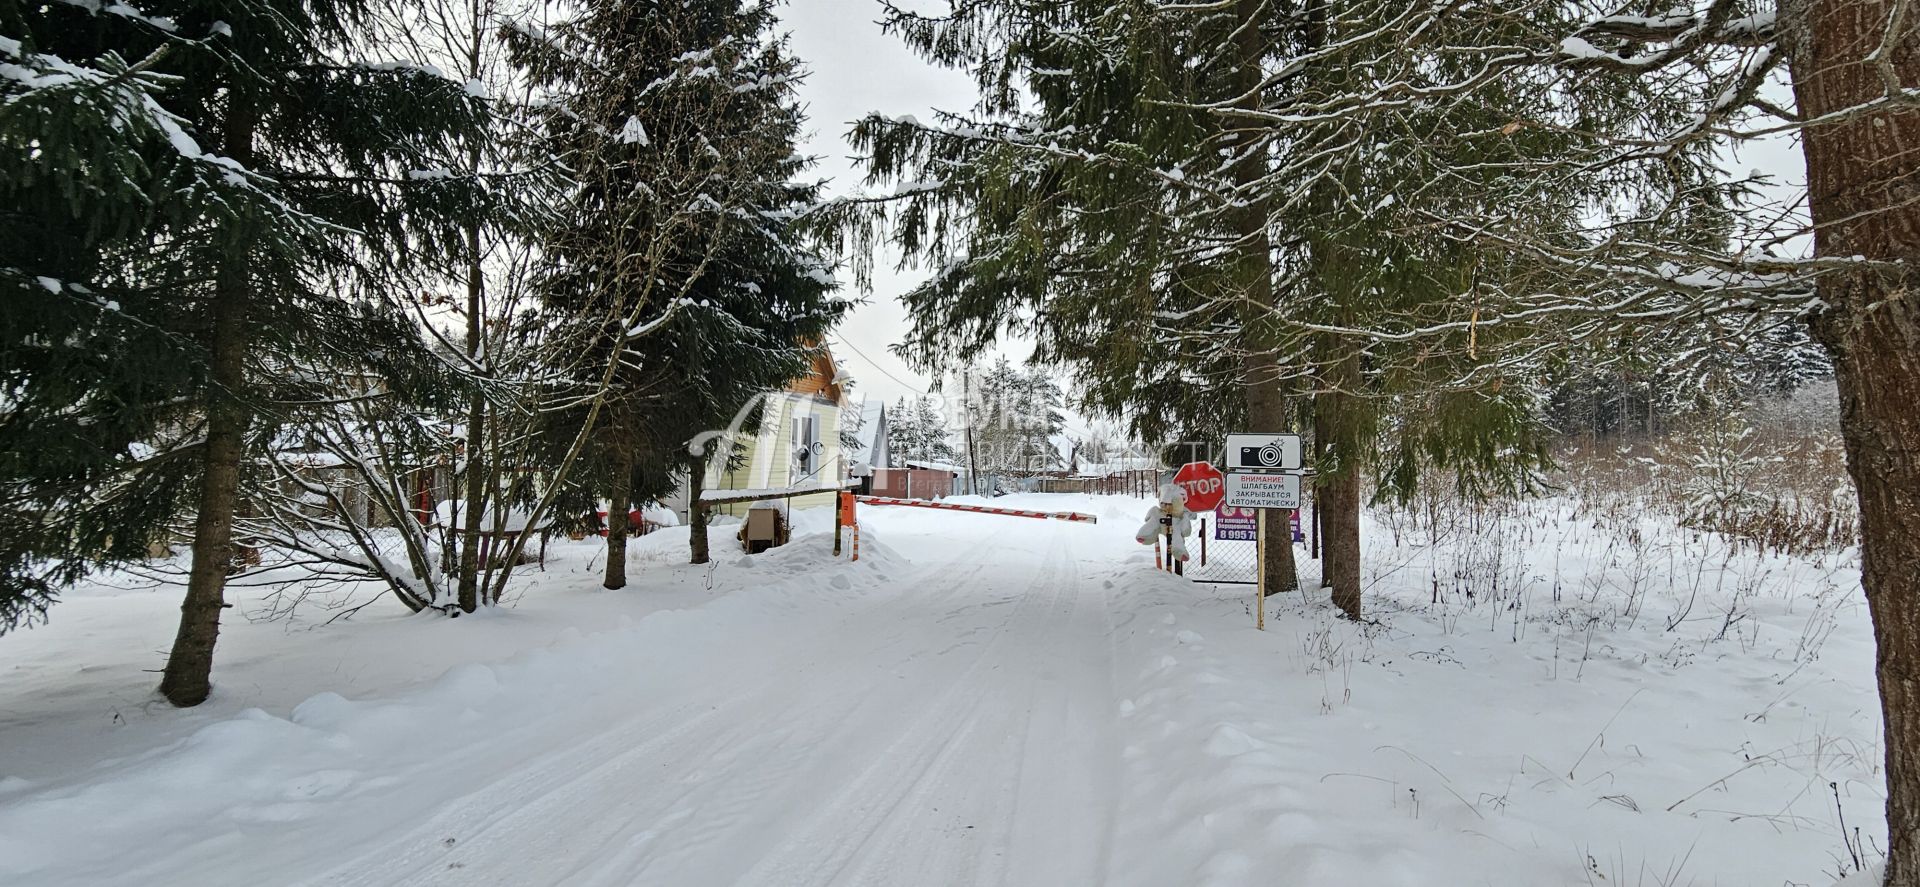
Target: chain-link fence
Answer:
pixel 1226 551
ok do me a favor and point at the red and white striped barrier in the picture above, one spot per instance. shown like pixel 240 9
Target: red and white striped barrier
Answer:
pixel 982 509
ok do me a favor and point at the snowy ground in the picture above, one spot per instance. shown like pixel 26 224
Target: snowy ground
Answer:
pixel 980 700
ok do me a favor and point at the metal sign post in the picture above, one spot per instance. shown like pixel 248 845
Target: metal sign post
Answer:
pixel 844 506
pixel 1166 532
pixel 1262 475
pixel 1260 570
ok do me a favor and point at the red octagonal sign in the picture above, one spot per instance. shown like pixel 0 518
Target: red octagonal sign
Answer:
pixel 1205 485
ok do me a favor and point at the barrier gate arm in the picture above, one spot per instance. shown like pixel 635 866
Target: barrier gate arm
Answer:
pixel 1076 516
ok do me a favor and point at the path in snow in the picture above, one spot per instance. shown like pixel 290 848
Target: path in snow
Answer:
pixel 958 730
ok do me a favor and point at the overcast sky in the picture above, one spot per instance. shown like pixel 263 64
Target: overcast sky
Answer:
pixel 857 69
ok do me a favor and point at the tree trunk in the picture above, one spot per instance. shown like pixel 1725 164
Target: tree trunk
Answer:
pixel 1338 496
pixel 476 436
pixel 1336 499
pixel 469 582
pixel 1267 412
pixel 617 507
pixel 188 676
pixel 1863 182
pixel 966 399
pixel 696 512
pixel 1260 371
pixel 1876 357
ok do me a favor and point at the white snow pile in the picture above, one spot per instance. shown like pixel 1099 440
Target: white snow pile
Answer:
pixel 1669 711
pixel 260 792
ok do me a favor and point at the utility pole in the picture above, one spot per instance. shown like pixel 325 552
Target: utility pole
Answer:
pixel 966 411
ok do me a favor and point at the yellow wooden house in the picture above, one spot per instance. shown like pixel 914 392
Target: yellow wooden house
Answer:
pixel 797 444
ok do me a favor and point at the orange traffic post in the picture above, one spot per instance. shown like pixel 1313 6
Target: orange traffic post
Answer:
pixel 842 517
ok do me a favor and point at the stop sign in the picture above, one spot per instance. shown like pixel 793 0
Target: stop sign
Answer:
pixel 1205 485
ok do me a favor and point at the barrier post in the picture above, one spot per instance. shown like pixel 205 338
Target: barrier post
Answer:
pixel 843 517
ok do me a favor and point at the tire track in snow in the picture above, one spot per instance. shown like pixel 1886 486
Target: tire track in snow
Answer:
pixel 585 812
pixel 780 743
pixel 838 845
pixel 1011 788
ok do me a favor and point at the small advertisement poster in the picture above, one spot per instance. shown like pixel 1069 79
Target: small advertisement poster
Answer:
pixel 1234 524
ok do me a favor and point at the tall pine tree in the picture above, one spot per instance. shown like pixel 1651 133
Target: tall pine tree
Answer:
pixel 324 174
pixel 1175 200
pixel 97 364
pixel 679 268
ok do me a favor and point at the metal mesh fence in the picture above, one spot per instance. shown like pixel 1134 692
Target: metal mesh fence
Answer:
pixel 1225 553
pixel 1222 560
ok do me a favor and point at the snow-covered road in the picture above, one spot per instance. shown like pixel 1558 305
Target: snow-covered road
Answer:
pixel 979 701
pixel 956 729
pixel 940 713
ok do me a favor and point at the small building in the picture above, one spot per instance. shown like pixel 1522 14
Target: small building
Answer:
pixel 870 448
pixel 915 479
pixel 797 443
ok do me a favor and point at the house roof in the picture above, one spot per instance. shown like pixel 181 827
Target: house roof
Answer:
pixel 823 378
pixel 871 428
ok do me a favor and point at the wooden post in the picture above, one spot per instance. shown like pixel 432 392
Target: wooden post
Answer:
pixel 840 521
pixel 1203 542
pixel 1315 529
pixel 1260 569
pixel 1173 564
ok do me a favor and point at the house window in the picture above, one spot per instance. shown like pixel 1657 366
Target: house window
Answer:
pixel 806 446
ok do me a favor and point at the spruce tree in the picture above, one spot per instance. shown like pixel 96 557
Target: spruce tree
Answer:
pixel 361 147
pixel 679 269
pixel 324 175
pixel 95 363
pixel 1176 199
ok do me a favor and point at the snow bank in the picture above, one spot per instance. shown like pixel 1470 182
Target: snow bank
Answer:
pixel 343 772
pixel 1595 722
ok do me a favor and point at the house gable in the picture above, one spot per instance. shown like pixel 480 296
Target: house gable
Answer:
pixel 821 380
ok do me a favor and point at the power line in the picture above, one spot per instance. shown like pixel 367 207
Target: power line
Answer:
pixel 841 340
